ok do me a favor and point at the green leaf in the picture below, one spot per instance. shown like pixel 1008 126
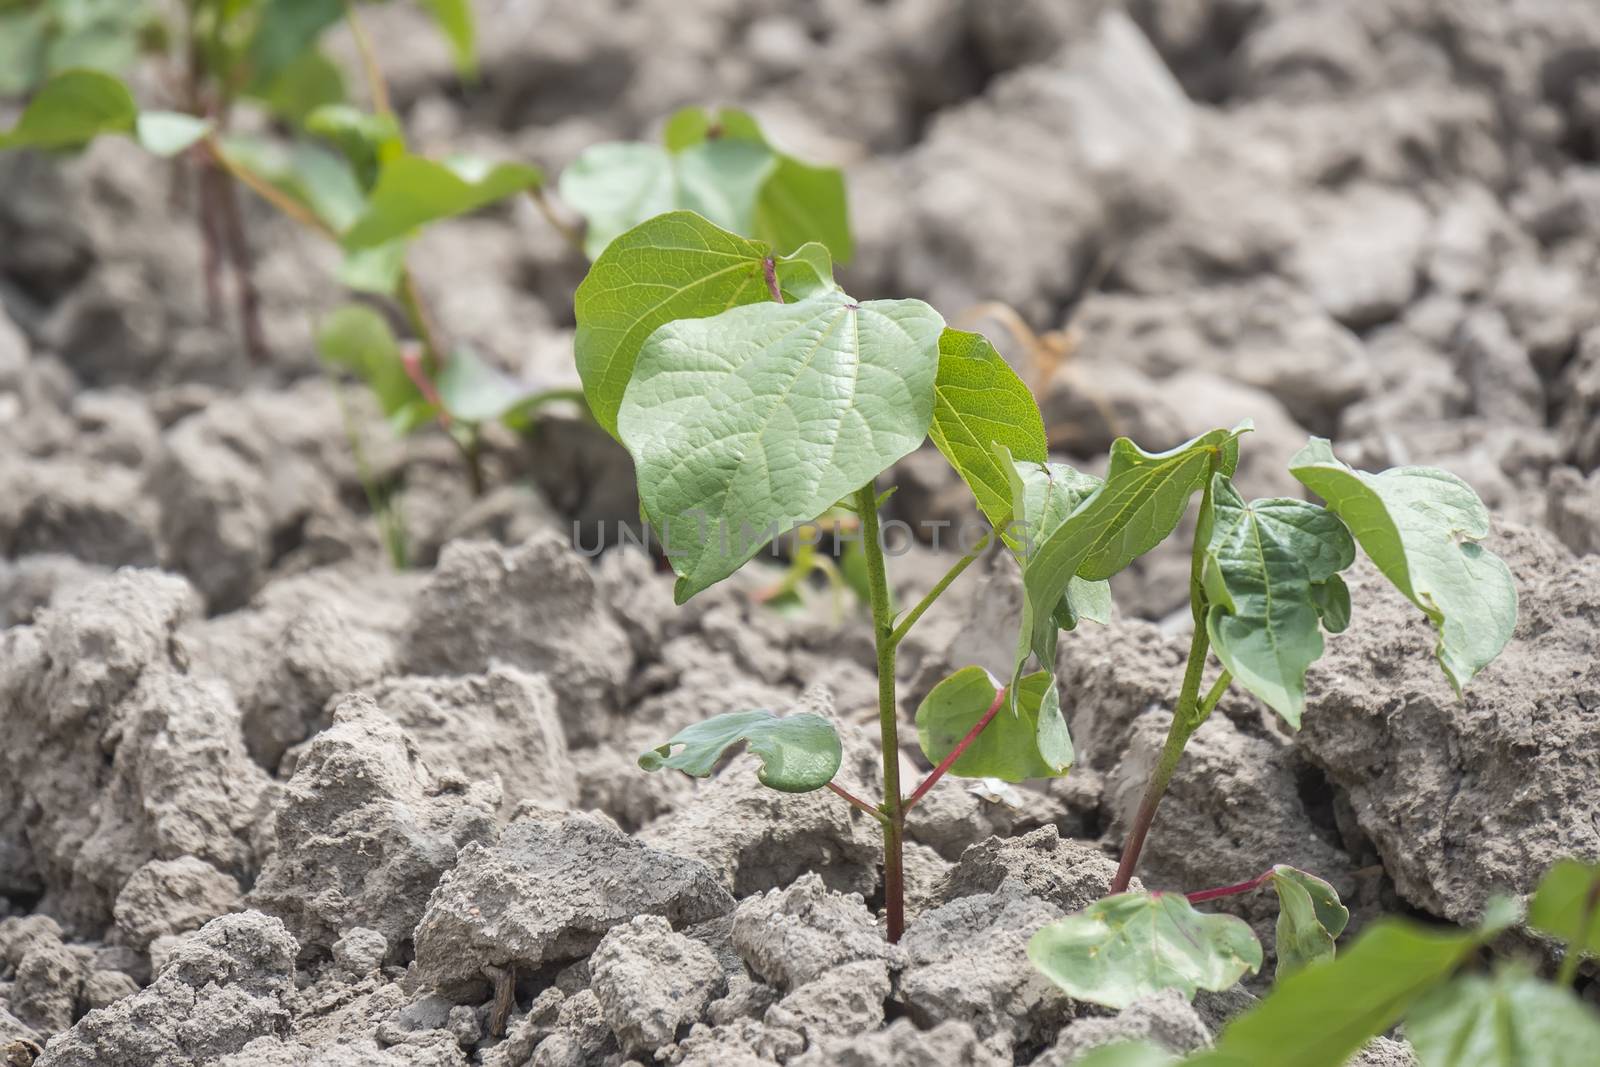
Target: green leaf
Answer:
pixel 1310 919
pixel 1031 742
pixel 374 270
pixel 1259 568
pixel 366 140
pixel 1321 1016
pixel 287 31
pixel 475 391
pixel 673 267
pixel 798 753
pixel 455 19
pixel 1567 905
pixel 358 339
pixel 311 175
pixel 72 109
pixel 1043 496
pixel 745 424
pixel 412 192
pixel 1421 525
pixel 1142 501
pixel 615 187
pixel 1510 1020
pixel 310 82
pixel 1332 599
pixel 22 48
pixel 166 133
pixel 978 401
pixel 1132 945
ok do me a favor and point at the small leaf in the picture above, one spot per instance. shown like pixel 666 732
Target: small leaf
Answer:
pixel 1259 568
pixel 310 82
pixel 287 31
pixel 673 267
pixel 1510 1020
pixel 72 109
pixel 475 391
pixel 1421 526
pixel 374 270
pixel 1031 742
pixel 1332 599
pixel 1142 501
pixel 412 192
pixel 455 19
pixel 311 175
pixel 1133 945
pixel 1043 496
pixel 801 203
pixel 166 133
pixel 1321 1016
pixel 745 424
pixel 357 338
pixel 1567 905
pixel 798 753
pixel 366 140
pixel 978 400
pixel 1310 919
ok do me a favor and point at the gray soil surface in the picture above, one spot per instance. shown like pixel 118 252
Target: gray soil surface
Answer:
pixel 266 800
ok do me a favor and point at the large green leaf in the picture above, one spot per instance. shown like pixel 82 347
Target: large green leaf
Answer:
pixel 1142 501
pixel 745 424
pixel 1132 945
pixel 1421 526
pixel 72 109
pixel 1567 905
pixel 675 266
pixel 412 192
pixel 1310 919
pixel 455 19
pixel 979 401
pixel 1028 742
pixel 798 753
pixel 1510 1020
pixel 1321 1016
pixel 1259 568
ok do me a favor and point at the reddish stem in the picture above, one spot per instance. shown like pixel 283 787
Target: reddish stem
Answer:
pixel 769 270
pixel 955 753
pixel 1230 890
pixel 856 801
pixel 411 360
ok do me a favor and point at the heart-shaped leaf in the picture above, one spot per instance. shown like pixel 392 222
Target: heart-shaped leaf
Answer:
pixel 798 753
pixel 72 109
pixel 1142 501
pixel 1567 905
pixel 1310 919
pixel 1030 742
pixel 1260 566
pixel 675 266
pixel 412 192
pixel 1133 945
pixel 747 423
pixel 979 401
pixel 1421 526
pixel 1510 1020
pixel 1321 1016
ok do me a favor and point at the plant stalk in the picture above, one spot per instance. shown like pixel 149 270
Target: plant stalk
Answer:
pixel 1251 886
pixel 938 589
pixel 1190 711
pixel 894 808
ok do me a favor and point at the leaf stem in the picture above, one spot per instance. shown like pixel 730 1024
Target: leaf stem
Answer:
pixel 769 270
pixel 1213 696
pixel 1230 890
pixel 267 191
pixel 939 587
pixel 1188 714
pixel 857 802
pixel 888 712
pixel 955 753
pixel 369 61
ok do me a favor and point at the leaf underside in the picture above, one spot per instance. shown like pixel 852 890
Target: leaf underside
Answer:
pixel 798 753
pixel 1133 945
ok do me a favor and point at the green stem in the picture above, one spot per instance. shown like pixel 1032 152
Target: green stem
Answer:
pixel 926 602
pixel 1190 711
pixel 888 712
